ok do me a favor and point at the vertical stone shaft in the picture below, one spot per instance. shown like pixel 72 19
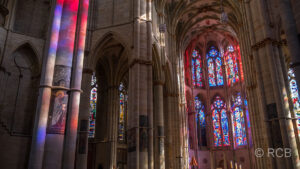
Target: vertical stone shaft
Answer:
pixel 150 85
pixel 286 126
pixel 159 125
pixel 40 125
pixel 72 121
pixel 113 112
pixel 61 86
pixel 290 28
pixel 81 156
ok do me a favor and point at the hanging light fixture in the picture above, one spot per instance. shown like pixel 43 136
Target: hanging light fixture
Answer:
pixel 223 17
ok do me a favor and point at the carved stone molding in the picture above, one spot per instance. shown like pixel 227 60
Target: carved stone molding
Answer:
pixel 266 41
pixel 141 61
pixel 158 82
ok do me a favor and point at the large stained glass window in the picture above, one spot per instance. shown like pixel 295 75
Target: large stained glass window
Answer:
pixel 220 122
pixel 201 124
pixel 231 66
pixel 197 71
pixel 214 64
pixel 122 114
pixel 294 96
pixel 238 121
pixel 93 106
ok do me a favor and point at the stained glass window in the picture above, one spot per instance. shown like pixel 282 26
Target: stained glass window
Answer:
pixel 214 64
pixel 248 120
pixel 294 96
pixel 200 119
pixel 197 71
pixel 93 105
pixel 238 118
pixel 122 114
pixel 231 66
pixel 220 122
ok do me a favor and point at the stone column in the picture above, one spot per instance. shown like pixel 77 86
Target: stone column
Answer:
pixel 112 127
pixel 84 114
pixel 290 28
pixel 159 126
pixel 54 104
pixel 41 119
pixel 60 100
pixel 72 121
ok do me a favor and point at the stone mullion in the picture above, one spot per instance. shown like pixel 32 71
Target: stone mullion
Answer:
pixel 83 119
pixel 259 140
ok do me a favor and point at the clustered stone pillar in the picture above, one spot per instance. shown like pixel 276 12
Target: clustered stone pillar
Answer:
pixel 140 136
pixel 290 28
pixel 58 104
pixel 159 126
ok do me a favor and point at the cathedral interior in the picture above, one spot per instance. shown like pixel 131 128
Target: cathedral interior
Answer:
pixel 149 84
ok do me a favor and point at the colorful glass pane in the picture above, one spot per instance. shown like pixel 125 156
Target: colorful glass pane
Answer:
pixel 295 96
pixel 248 120
pixel 220 122
pixel 122 114
pixel 220 80
pixel 199 107
pixel 214 64
pixel 239 130
pixel 217 128
pixel 225 128
pixel 232 69
pixel 93 106
pixel 213 52
pixel 197 72
pixel 211 72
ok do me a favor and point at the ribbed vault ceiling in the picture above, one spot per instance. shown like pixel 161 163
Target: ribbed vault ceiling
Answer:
pixel 188 19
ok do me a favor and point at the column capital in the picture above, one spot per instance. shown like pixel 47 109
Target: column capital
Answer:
pixel 158 82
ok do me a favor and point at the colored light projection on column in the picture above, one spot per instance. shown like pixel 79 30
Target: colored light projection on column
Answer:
pixel 93 108
pixel 231 66
pixel 220 122
pixel 122 114
pixel 238 118
pixel 197 71
pixel 294 96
